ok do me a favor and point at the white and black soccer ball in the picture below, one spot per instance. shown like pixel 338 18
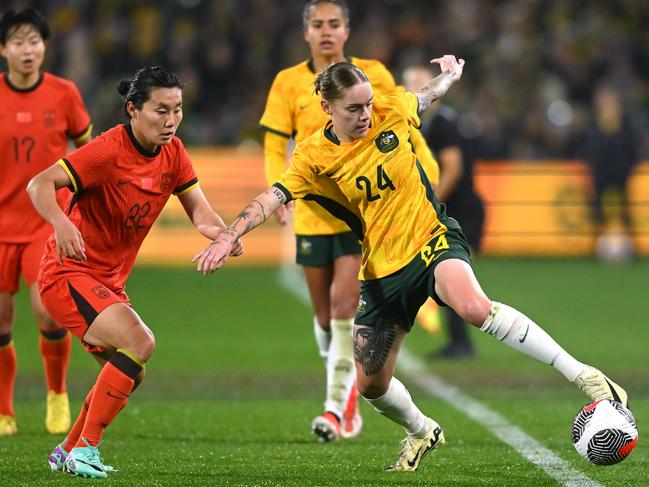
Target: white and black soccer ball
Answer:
pixel 604 432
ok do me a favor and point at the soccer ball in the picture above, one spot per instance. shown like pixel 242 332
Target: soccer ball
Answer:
pixel 604 432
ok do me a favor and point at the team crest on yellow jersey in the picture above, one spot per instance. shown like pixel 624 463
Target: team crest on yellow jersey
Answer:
pixel 387 141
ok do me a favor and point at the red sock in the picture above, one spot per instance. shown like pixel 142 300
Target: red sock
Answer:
pixel 77 427
pixel 7 376
pixel 56 357
pixel 111 394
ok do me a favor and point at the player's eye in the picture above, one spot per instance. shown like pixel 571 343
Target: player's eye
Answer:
pixel 335 24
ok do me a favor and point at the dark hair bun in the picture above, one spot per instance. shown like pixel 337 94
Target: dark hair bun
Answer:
pixel 123 87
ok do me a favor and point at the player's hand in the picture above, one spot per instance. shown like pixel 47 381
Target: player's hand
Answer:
pixel 69 242
pixel 450 65
pixel 215 255
pixel 237 248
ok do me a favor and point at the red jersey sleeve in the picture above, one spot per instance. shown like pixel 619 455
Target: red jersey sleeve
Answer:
pixel 79 126
pixel 187 179
pixel 89 165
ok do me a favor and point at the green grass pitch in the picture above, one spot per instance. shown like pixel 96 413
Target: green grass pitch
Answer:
pixel 235 381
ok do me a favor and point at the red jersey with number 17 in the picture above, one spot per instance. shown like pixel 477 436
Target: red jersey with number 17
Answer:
pixel 35 126
pixel 119 190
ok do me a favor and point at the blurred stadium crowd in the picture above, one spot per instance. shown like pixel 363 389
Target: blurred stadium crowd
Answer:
pixel 532 65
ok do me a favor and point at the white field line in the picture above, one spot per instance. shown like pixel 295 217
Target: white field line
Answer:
pixel 529 448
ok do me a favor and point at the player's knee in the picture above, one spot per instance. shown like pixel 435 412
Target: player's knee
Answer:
pixel 344 306
pixel 45 321
pixel 6 316
pixel 144 346
pixel 474 311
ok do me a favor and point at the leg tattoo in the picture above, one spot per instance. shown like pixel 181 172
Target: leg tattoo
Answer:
pixel 372 345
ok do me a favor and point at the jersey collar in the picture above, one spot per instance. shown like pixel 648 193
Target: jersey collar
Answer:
pixel 311 66
pixel 23 90
pixel 136 144
pixel 329 134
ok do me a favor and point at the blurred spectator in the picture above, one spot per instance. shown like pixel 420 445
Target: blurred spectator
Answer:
pixel 610 149
pixel 531 66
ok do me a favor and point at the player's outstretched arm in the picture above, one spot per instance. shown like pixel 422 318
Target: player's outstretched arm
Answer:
pixel 257 212
pixel 438 86
pixel 42 191
pixel 204 218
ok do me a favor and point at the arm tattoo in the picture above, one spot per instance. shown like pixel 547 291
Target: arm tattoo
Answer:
pixel 244 215
pixel 279 194
pixel 372 344
pixel 433 90
pixel 261 207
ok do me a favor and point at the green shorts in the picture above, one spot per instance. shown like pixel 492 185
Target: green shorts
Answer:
pixel 323 250
pixel 399 296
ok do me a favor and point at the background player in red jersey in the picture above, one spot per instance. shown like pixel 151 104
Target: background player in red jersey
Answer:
pixel 121 181
pixel 39 113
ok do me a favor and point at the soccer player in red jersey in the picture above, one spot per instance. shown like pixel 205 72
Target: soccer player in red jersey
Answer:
pixel 121 181
pixel 39 114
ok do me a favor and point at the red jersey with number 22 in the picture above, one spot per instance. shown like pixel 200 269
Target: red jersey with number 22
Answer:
pixel 119 190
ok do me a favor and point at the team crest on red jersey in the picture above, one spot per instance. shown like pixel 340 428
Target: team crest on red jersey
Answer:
pixel 165 182
pixel 101 292
pixel 48 118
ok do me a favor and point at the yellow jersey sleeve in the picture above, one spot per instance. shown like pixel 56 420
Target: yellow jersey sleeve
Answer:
pixel 277 114
pixel 274 156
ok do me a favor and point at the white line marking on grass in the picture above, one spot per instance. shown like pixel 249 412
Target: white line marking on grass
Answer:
pixel 521 442
pixel 414 368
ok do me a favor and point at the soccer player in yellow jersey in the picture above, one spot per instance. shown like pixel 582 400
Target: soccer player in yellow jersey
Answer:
pixel 326 248
pixel 359 167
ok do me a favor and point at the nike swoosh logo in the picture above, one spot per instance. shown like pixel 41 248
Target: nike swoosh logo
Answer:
pixel 435 257
pixel 413 462
pixel 108 393
pixel 522 339
pixel 615 395
pixel 99 469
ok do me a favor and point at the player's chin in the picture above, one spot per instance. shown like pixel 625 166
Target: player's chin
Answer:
pixel 362 132
pixel 165 139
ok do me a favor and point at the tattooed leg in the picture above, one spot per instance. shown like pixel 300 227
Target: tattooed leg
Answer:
pixel 375 352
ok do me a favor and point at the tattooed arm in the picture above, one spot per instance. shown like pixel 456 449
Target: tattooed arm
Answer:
pixel 257 212
pixel 438 86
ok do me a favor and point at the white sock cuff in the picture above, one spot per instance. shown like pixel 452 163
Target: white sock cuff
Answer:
pixel 345 325
pixel 501 319
pixel 394 393
pixel 322 338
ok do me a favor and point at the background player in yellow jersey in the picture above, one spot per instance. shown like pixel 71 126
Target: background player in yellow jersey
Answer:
pixel 326 248
pixel 359 167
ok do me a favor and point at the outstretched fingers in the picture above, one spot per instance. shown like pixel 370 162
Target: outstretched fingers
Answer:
pixel 448 63
pixel 210 259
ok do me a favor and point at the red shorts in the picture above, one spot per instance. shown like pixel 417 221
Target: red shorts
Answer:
pixel 17 259
pixel 75 300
